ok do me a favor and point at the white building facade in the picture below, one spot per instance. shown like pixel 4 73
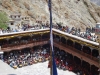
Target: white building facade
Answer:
pixel 15 22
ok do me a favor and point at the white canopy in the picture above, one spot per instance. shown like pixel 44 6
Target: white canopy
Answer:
pixel 1 52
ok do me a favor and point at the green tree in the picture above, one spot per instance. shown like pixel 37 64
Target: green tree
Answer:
pixel 3 20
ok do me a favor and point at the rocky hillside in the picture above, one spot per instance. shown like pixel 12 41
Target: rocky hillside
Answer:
pixel 79 13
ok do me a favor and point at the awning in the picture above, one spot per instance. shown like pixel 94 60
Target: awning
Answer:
pixel 1 52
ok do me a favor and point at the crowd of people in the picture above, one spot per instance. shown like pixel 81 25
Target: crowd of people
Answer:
pixel 65 61
pixel 18 59
pixel 87 34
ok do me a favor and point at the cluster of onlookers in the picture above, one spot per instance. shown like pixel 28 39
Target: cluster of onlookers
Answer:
pixel 87 34
pixel 26 57
pixel 66 61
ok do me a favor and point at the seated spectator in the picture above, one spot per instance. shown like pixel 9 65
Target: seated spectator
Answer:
pixel 20 58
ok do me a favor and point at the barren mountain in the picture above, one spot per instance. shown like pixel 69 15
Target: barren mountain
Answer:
pixel 79 13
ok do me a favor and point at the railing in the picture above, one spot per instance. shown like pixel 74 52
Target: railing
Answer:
pixel 29 44
pixel 85 54
pixel 23 43
pixel 77 51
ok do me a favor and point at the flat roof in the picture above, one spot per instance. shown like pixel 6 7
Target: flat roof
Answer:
pixel 67 34
pixel 97 23
pixel 23 32
pixel 76 37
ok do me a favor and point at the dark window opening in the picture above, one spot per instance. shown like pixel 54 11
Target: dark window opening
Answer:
pixel 12 23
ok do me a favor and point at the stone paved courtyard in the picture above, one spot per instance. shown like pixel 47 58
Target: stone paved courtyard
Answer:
pixel 35 69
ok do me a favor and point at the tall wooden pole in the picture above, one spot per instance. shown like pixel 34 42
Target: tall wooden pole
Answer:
pixel 98 40
pixel 50 10
pixel 51 68
pixel 99 49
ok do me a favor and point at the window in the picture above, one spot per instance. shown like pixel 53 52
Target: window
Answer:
pixel 97 29
pixel 12 23
pixel 11 16
pixel 97 25
pixel 18 16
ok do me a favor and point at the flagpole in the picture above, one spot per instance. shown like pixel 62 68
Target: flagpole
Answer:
pixel 50 10
pixel 53 69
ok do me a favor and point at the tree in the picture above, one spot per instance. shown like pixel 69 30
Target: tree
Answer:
pixel 3 20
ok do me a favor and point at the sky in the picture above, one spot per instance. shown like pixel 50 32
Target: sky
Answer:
pixel 96 1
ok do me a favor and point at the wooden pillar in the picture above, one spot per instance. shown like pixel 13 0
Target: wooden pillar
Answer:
pixel 73 56
pixel 31 38
pixel 20 39
pixel 81 61
pixel 91 52
pixel 82 47
pixel 73 46
pixel 41 36
pixel 73 43
pixel 99 59
pixel 66 41
pixel 7 42
pixel 54 36
pixel 60 39
pixel 90 67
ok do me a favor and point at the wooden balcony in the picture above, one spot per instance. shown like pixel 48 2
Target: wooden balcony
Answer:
pixel 83 56
pixel 25 45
